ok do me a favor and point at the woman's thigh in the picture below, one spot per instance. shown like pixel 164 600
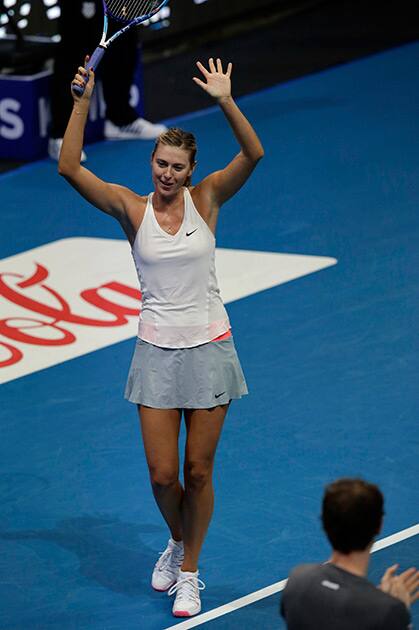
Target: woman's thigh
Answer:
pixel 160 430
pixel 203 428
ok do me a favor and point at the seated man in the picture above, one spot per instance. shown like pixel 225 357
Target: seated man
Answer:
pixel 337 595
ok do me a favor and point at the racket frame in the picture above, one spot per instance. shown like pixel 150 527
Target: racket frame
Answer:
pixel 104 43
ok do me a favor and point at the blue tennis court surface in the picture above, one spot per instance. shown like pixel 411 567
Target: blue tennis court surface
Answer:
pixel 330 359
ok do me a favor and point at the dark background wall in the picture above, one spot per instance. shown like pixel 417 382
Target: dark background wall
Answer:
pixel 276 45
pixel 268 43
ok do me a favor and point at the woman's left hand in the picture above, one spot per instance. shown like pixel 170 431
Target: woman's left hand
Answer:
pixel 218 83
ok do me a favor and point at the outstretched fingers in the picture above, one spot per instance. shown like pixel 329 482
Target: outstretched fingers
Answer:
pixel 207 75
pixel 221 70
pixel 200 83
pixel 216 82
pixel 203 69
pixel 215 68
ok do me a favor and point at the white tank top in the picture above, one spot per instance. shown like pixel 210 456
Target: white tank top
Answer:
pixel 181 302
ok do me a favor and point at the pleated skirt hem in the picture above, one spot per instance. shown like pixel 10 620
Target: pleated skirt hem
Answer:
pixel 185 378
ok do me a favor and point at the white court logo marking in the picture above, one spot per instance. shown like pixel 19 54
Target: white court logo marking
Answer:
pixel 77 295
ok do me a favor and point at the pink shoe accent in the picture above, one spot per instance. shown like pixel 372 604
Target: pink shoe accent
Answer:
pixel 182 613
pixel 164 590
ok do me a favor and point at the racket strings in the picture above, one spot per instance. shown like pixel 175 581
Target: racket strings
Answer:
pixel 128 10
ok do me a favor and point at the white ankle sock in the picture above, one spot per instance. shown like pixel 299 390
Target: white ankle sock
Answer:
pixel 184 574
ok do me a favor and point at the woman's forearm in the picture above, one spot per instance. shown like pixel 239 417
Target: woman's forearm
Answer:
pixel 72 147
pixel 73 138
pixel 245 134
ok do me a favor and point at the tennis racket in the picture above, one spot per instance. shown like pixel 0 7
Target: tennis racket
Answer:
pixel 129 13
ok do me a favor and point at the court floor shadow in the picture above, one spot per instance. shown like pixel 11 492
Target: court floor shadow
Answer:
pixel 111 553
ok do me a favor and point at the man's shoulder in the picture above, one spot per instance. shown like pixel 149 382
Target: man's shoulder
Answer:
pixel 328 577
pixel 326 584
pixel 304 576
pixel 308 572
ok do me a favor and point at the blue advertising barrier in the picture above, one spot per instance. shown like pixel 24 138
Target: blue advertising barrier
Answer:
pixel 25 114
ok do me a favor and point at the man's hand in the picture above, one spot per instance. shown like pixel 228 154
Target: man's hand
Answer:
pixel 404 586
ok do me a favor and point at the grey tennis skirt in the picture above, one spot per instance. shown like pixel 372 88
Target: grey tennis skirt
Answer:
pixel 185 378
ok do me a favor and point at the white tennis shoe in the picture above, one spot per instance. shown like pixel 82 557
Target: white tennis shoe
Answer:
pixel 140 129
pixel 188 601
pixel 167 567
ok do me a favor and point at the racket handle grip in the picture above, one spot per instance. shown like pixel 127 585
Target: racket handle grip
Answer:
pixel 92 63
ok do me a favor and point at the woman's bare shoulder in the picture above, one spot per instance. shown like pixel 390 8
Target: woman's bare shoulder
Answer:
pixel 130 196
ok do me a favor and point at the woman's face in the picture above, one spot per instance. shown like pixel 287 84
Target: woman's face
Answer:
pixel 170 168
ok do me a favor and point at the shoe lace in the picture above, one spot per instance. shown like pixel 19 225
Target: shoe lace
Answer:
pixel 187 588
pixel 166 558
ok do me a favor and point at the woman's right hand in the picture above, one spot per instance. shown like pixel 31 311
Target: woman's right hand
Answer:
pixel 80 80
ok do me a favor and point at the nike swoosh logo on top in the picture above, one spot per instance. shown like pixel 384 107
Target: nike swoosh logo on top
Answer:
pixel 218 395
pixel 189 233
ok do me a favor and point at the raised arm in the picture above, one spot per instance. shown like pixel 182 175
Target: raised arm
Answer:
pixel 223 184
pixel 109 198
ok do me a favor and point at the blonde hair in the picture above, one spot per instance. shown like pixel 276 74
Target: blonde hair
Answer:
pixel 176 137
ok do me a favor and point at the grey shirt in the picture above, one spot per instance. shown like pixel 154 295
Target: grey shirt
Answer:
pixel 325 597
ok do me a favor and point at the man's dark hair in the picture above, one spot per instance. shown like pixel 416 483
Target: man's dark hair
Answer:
pixel 351 514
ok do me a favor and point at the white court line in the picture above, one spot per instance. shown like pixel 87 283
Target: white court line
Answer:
pixel 395 538
pixel 279 586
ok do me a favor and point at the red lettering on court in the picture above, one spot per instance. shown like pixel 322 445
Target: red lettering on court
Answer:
pixel 15 355
pixel 60 313
pixel 17 332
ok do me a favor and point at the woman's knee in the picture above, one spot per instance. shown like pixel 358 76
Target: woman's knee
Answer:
pixel 163 476
pixel 198 473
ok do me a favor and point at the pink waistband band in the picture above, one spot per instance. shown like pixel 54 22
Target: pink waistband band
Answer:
pixel 225 335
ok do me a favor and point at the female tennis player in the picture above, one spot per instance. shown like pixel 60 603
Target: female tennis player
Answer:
pixel 184 360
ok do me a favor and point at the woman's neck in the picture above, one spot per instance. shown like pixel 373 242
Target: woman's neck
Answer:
pixel 164 203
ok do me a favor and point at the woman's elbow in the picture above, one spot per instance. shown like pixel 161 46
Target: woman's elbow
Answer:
pixel 65 169
pixel 258 154
pixel 63 166
pixel 255 155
